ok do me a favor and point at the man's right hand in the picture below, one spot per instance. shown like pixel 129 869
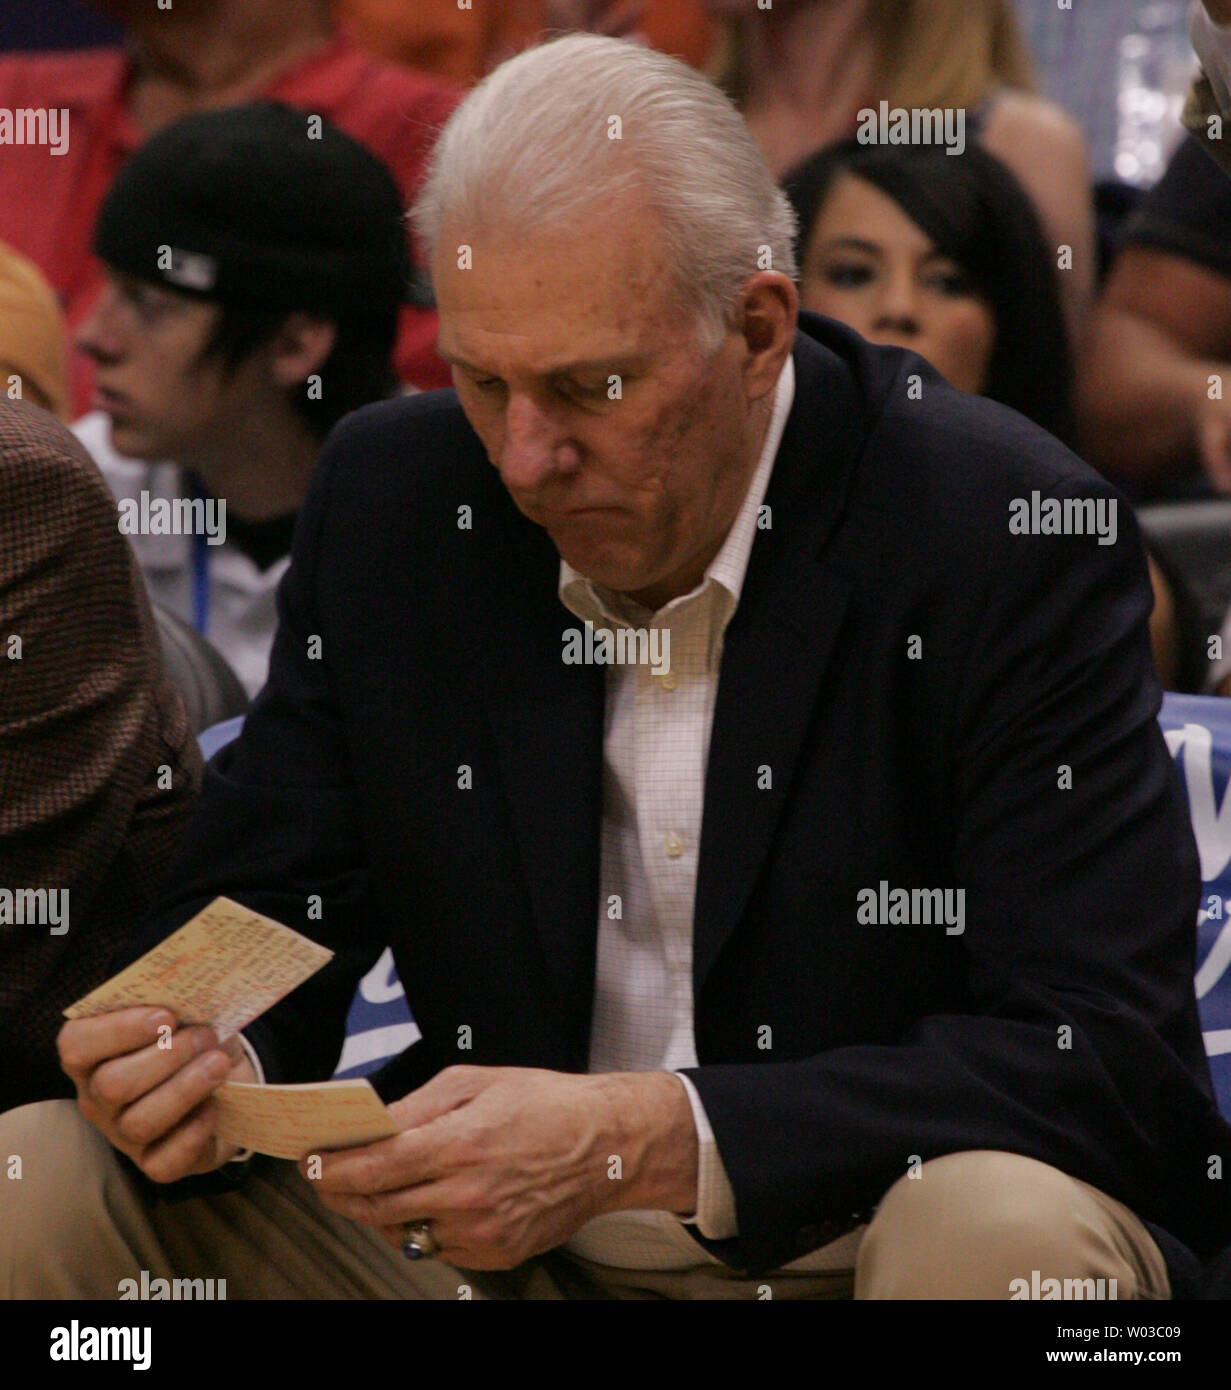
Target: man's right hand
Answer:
pixel 152 1101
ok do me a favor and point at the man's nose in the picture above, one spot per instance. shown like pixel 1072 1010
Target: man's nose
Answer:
pixel 97 334
pixel 535 446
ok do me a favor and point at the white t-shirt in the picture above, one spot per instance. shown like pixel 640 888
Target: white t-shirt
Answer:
pixel 241 615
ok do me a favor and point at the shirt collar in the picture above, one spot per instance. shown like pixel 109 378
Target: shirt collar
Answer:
pixel 730 565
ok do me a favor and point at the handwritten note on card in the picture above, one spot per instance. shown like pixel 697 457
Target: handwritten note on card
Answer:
pixel 291 1121
pixel 224 967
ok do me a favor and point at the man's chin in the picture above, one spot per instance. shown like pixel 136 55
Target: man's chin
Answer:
pixel 132 442
pixel 598 564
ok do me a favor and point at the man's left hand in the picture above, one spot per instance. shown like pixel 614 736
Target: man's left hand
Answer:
pixel 506 1162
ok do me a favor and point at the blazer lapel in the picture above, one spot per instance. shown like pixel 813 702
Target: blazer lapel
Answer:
pixel 776 649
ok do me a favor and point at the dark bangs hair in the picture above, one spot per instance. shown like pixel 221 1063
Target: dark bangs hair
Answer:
pixel 358 370
pixel 976 213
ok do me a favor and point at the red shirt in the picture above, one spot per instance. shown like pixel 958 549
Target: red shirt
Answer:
pixel 49 202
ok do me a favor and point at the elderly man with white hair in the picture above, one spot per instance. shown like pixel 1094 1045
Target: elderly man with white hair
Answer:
pixel 773 834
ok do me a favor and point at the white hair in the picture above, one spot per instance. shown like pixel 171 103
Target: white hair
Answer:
pixel 569 123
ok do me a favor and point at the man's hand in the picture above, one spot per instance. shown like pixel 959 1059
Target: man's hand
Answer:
pixel 507 1162
pixel 151 1100
pixel 1214 442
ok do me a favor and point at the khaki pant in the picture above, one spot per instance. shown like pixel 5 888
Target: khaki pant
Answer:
pixel 75 1224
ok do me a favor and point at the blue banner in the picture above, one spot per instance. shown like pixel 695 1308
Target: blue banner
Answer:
pixel 1198 733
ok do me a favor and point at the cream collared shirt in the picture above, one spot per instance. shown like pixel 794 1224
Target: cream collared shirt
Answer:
pixel 654 757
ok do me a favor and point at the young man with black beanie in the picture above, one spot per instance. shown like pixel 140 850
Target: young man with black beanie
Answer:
pixel 179 59
pixel 256 258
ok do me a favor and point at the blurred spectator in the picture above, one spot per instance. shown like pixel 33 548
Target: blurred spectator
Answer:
pixel 1120 68
pixel 193 56
pixel 941 255
pixel 1210 27
pixel 253 280
pixel 680 27
pixel 32 347
pixel 944 256
pixel 438 36
pixel 98 765
pixel 1154 392
pixel 462 44
pixel 803 72
pixel 1208 110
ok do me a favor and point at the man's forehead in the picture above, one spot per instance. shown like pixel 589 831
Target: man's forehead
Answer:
pixel 551 332
pixel 594 292
pixel 618 359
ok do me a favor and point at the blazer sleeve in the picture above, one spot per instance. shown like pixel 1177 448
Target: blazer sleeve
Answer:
pixel 276 827
pixel 1075 851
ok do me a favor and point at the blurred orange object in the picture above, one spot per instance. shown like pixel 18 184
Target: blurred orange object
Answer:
pixel 681 27
pixel 33 346
pixel 436 36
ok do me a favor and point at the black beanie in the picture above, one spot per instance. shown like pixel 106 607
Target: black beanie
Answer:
pixel 260 206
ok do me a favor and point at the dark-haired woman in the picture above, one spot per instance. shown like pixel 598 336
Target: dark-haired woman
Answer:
pixel 942 254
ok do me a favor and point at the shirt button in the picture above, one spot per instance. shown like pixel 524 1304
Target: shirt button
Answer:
pixel 674 846
pixel 670 681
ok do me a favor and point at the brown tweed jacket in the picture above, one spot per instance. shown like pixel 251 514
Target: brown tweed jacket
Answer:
pixel 88 718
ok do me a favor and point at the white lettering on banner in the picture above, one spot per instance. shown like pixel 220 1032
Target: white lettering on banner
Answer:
pixel 1211 824
pixel 1192 746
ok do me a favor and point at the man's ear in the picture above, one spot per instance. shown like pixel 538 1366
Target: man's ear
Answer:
pixel 768 318
pixel 300 347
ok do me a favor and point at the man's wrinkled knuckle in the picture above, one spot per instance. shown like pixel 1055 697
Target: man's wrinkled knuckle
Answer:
pixel 160 1168
pixel 107 1088
pixel 163 1173
pixel 136 1130
pixel 91 1112
pixel 368 1175
pixel 366 1211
